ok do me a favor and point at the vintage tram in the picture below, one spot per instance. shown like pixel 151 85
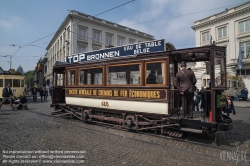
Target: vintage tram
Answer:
pixel 16 81
pixel 109 87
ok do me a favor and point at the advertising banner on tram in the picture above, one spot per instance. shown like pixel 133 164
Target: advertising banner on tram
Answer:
pixel 132 49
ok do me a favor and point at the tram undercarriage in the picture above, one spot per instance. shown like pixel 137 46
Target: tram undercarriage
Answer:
pixel 173 125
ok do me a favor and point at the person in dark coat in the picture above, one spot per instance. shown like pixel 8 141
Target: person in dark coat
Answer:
pixel 7 94
pixel 50 91
pixel 185 81
pixel 34 93
pixel 41 93
pixel 151 79
pixel 229 107
pixel 202 94
pixel 197 99
pixel 244 94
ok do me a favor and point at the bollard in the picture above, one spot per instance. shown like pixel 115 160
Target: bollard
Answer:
pixel 210 116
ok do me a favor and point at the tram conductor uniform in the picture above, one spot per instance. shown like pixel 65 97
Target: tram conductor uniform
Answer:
pixel 185 81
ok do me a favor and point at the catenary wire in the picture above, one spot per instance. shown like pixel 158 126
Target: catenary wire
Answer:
pixel 63 28
pixel 128 25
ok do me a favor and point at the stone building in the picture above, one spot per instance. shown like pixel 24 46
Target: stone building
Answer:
pixel 80 33
pixel 230 28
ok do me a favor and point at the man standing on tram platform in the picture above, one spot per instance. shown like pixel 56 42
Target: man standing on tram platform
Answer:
pixel 185 81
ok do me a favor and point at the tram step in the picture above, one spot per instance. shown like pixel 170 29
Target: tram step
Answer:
pixel 62 114
pixel 191 130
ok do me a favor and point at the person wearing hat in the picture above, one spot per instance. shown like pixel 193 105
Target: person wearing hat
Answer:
pixel 185 81
pixel 7 94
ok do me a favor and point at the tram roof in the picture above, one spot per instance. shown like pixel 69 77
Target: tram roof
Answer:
pixel 201 54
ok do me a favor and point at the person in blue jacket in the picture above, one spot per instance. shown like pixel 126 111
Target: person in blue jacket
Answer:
pixel 244 94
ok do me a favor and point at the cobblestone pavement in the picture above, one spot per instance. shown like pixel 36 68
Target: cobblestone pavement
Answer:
pixel 35 129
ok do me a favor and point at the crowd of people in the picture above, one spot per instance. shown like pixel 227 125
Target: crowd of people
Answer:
pixel 243 94
pixel 43 92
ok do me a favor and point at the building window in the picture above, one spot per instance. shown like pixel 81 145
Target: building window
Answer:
pixel 222 32
pixel 96 47
pixel 228 83
pixel 131 41
pixel 97 36
pixel 64 37
pixel 82 33
pixel 82 49
pixel 68 29
pixel 205 37
pixel 245 49
pixel 121 41
pixel 244 26
pixel 243 72
pixel 109 39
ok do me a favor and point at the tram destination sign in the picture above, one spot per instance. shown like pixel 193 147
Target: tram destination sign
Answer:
pixel 132 49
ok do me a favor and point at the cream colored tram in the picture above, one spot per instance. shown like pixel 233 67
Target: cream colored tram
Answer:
pixel 17 84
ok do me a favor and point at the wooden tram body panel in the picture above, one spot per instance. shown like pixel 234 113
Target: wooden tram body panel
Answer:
pixel 118 90
pixel 152 99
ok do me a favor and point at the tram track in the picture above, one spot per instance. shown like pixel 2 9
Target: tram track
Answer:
pixel 176 143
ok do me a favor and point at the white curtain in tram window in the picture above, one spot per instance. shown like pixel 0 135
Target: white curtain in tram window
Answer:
pixel 162 80
pixel 139 77
pixel 73 79
pixel 88 78
pixel 81 77
pixel 68 77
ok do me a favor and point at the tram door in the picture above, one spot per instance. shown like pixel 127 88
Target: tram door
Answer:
pixel 174 98
pixel 58 94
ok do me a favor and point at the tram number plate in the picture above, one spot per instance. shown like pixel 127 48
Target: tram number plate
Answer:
pixel 105 103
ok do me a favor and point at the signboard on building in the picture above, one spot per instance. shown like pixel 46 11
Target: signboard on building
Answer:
pixel 133 49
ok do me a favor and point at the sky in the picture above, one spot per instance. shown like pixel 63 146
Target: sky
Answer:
pixel 27 26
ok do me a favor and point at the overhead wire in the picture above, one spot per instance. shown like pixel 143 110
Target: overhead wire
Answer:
pixel 128 25
pixel 64 28
pixel 184 14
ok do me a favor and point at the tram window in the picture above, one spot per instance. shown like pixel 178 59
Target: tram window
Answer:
pixel 71 77
pixel 208 83
pixel 228 83
pixel 1 82
pixel 204 82
pixel 155 73
pixel 91 76
pixel 59 79
pixel 220 74
pixel 8 81
pixel 125 74
pixel 16 83
pixel 22 83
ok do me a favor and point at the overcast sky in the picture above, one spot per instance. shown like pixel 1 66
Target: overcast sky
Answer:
pixel 24 21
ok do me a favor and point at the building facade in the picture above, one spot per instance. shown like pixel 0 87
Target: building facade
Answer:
pixel 230 28
pixel 81 33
